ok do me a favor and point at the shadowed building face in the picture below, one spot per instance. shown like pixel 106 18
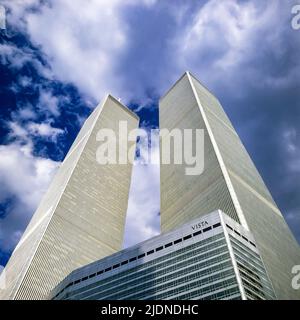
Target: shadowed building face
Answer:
pixel 230 182
pixel 81 218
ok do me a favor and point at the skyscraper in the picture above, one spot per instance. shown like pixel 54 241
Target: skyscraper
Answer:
pixel 81 218
pixel 230 181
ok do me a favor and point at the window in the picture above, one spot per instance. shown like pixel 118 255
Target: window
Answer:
pixel 197 233
pixel 107 269
pixel 177 241
pixel 159 248
pixel 77 281
pixel 124 262
pixel 216 225
pixel 92 275
pixel 84 278
pixel 168 244
pixel 150 252
pixel 132 259
pixel 187 237
pixel 244 238
pixel 252 243
pixel 141 255
pixel 206 229
pixel 116 266
pixel 229 227
pixel 99 272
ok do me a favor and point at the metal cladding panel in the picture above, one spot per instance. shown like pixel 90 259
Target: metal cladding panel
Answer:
pixel 184 197
pixel 82 216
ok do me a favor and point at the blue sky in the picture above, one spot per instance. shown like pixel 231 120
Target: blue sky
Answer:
pixel 59 58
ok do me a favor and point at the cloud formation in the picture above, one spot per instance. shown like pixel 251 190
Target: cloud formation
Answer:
pixel 144 206
pixel 82 41
pixel 24 179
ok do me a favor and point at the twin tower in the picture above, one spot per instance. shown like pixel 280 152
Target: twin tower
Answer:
pixel 81 218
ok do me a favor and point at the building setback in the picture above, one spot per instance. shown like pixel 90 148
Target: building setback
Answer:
pixel 212 257
pixel 81 217
pixel 230 182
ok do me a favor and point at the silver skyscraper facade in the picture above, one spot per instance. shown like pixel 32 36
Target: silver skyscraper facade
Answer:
pixel 81 218
pixel 230 182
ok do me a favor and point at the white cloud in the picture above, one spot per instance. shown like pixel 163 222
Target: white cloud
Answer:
pixel 16 58
pixel 223 27
pixel 44 130
pixel 13 56
pixel 25 81
pixel 292 148
pixel 17 131
pixel 24 113
pixel 17 10
pixel 22 82
pixel 48 102
pixel 83 42
pixel 143 220
pixel 26 178
pixel 225 37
